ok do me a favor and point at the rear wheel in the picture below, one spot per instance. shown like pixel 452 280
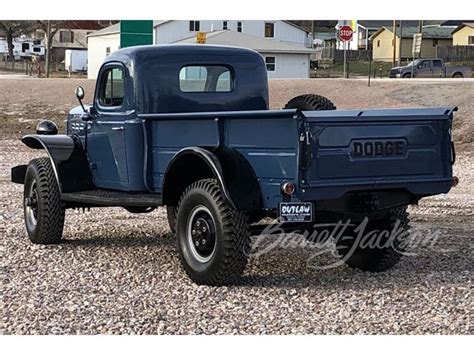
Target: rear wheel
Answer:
pixel 457 75
pixel 381 244
pixel 213 238
pixel 310 102
pixel 44 212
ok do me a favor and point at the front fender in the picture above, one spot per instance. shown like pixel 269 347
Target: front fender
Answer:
pixel 68 159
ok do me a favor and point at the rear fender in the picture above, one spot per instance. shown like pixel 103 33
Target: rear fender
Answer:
pixel 239 185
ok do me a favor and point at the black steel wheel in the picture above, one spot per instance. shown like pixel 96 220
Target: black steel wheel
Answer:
pixel 43 210
pixel 213 237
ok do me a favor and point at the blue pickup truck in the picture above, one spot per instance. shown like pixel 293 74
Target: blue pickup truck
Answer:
pixel 189 127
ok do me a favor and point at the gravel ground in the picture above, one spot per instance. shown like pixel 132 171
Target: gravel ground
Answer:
pixel 118 272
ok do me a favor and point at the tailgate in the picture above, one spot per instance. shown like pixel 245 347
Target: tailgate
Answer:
pixel 377 149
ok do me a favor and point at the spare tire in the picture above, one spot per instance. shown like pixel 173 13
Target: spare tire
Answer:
pixel 310 102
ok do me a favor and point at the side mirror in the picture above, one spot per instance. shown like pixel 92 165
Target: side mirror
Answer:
pixel 80 95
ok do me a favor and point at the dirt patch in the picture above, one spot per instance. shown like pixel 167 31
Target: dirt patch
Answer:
pixel 24 101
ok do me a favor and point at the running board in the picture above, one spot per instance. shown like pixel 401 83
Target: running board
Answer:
pixel 110 198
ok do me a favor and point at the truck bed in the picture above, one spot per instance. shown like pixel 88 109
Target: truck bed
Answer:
pixel 321 151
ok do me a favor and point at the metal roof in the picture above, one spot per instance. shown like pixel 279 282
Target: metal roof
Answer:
pixel 239 39
pixel 436 32
pixel 466 24
pixel 114 29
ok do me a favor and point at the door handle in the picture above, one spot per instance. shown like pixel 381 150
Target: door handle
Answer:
pixel 121 128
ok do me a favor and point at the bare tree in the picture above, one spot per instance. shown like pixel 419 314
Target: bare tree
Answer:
pixel 12 29
pixel 50 29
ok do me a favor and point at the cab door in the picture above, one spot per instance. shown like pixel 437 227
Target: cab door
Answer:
pixel 424 69
pixel 106 143
pixel 438 70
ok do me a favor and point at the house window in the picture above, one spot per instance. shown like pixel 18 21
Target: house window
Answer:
pixel 224 25
pixel 470 40
pixel 194 26
pixel 239 26
pixel 111 93
pixel 205 78
pixel 269 30
pixel 378 43
pixel 270 63
pixel 66 36
pixel 435 42
pixel 107 51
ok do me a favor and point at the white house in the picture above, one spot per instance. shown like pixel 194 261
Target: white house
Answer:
pixel 175 30
pixel 279 41
pixel 100 44
pixel 283 59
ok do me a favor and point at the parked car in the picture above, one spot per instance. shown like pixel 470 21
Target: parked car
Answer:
pixel 189 127
pixel 430 68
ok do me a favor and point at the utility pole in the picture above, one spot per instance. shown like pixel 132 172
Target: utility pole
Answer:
pixel 312 34
pixel 400 47
pixel 394 29
pixel 48 46
pixel 420 30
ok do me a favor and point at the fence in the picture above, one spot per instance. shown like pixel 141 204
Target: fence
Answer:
pixel 455 53
pixel 337 55
pixel 23 65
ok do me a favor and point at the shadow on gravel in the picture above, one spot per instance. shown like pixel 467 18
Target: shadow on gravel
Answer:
pixel 119 241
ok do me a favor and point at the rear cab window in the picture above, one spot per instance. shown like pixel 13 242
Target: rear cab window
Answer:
pixel 205 78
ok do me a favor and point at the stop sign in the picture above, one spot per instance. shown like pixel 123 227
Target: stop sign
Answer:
pixel 345 33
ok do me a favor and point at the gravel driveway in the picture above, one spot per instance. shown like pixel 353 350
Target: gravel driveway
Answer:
pixel 118 272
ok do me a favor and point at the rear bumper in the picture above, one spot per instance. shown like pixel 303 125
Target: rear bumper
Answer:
pixel 18 174
pixel 335 190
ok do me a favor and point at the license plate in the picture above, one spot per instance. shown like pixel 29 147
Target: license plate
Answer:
pixel 296 212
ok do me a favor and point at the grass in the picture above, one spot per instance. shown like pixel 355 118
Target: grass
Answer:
pixel 356 69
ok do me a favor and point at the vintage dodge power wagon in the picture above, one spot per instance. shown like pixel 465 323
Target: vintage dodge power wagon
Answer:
pixel 189 127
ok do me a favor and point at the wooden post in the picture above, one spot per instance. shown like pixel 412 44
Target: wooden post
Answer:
pixel 394 29
pixel 400 47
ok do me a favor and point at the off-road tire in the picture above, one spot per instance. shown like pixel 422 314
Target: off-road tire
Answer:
pixel 310 102
pixel 171 212
pixel 232 239
pixel 50 210
pixel 377 259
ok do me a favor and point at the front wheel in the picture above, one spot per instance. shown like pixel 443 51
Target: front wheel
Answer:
pixel 44 212
pixel 457 75
pixel 213 237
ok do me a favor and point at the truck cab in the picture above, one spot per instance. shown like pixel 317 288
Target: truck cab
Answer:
pixel 189 127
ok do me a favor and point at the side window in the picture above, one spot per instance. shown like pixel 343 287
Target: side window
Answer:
pixel 111 94
pixel 205 78
pixel 426 64
pixel 437 64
